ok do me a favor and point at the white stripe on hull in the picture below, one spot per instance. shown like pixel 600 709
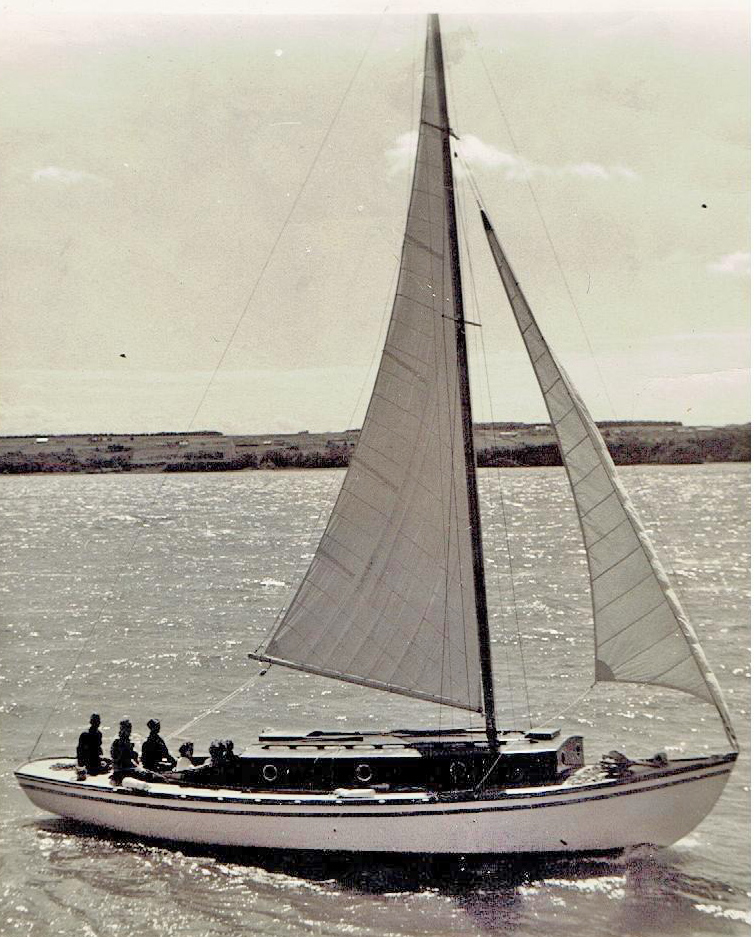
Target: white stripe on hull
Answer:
pixel 659 809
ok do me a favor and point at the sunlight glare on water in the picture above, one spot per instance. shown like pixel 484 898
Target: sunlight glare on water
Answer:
pixel 150 590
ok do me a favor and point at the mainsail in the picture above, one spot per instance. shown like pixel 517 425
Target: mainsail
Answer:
pixel 642 633
pixel 389 600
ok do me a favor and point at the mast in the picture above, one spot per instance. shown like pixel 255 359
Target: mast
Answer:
pixel 394 597
pixel 481 605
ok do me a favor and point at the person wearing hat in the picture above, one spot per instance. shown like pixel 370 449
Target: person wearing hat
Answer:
pixel 155 754
pixel 89 748
pixel 123 753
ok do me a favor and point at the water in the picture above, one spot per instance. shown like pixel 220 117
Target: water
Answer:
pixel 149 591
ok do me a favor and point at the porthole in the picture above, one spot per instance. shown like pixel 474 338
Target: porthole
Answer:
pixel 270 772
pixel 363 773
pixel 458 773
pixel 516 774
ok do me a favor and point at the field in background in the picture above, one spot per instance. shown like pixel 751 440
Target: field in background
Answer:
pixel 497 444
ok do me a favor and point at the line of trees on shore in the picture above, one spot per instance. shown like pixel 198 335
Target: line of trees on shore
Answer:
pixel 731 444
pixel 629 452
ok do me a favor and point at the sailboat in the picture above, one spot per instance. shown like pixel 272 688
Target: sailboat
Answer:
pixel 395 600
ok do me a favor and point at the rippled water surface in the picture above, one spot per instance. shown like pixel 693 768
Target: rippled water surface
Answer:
pixel 141 595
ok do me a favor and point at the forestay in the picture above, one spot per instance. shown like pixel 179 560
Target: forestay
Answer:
pixel 388 600
pixel 642 632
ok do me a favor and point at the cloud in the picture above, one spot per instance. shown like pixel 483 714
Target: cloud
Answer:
pixel 478 153
pixel 737 264
pixel 716 391
pixel 64 176
pixel 401 154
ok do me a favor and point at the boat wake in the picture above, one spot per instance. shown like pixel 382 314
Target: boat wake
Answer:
pixel 635 889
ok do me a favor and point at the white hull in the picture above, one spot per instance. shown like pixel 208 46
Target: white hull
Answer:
pixel 657 807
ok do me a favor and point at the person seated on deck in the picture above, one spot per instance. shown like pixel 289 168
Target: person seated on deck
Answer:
pixel 155 754
pixel 185 763
pixel 89 748
pixel 231 761
pixel 123 754
pixel 214 770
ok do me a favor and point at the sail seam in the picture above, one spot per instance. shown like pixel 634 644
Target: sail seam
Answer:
pixel 608 533
pixel 608 476
pixel 626 592
pixel 587 475
pixel 453 508
pixel 375 473
pixel 392 356
pixel 624 628
pixel 339 605
pixel 416 302
pixel 615 564
pixel 426 247
pixel 598 503
pixel 564 416
pixel 669 634
pixel 331 559
pixel 679 663
pixel 574 446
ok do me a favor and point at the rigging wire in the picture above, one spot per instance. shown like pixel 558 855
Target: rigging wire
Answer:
pixel 86 641
pixel 377 347
pixel 453 413
pixel 328 502
pixel 658 531
pixel 287 219
pixel 380 333
pixel 387 306
pixel 662 544
pixel 460 216
pixel 98 618
pixel 457 411
pixel 480 344
pixel 537 206
pixel 541 725
pixel 177 733
pixel 572 705
pixel 504 516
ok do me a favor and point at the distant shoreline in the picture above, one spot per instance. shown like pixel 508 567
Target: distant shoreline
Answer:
pixel 497 445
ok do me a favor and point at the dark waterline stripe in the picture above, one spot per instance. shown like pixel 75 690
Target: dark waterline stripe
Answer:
pixel 381 814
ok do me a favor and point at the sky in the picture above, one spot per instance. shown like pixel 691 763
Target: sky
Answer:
pixel 203 211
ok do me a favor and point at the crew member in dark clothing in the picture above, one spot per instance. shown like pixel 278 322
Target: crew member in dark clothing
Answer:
pixel 213 771
pixel 123 753
pixel 89 749
pixel 155 754
pixel 232 762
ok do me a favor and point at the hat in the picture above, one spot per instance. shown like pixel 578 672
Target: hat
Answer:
pixel 124 722
pixel 94 716
pixel 153 724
